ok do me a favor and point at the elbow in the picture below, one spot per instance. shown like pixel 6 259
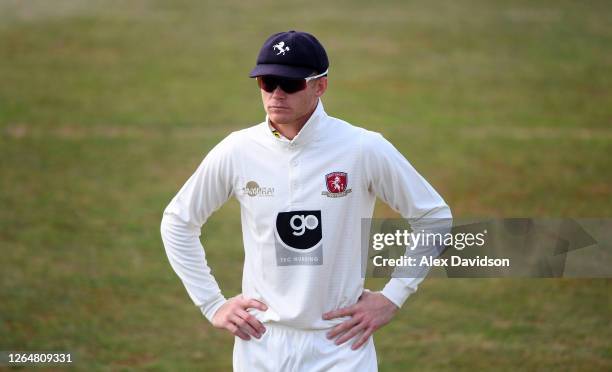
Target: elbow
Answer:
pixel 165 226
pixel 173 229
pixel 170 236
pixel 447 212
pixel 441 211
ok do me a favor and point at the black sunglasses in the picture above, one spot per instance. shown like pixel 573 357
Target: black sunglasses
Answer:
pixel 269 83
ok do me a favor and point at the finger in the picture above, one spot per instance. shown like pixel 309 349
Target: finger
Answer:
pixel 244 326
pixel 350 334
pixel 345 311
pixel 253 303
pixel 364 337
pixel 342 327
pixel 254 322
pixel 236 331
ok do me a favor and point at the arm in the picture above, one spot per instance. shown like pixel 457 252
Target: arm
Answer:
pixel 393 179
pixel 204 192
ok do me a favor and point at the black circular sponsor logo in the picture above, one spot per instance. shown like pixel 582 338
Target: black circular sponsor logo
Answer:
pixel 299 229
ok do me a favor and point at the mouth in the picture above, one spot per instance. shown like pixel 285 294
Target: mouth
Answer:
pixel 278 108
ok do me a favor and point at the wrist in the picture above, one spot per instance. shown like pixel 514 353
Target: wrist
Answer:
pixel 210 309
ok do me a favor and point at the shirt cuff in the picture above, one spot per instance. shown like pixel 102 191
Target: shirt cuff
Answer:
pixel 397 291
pixel 210 309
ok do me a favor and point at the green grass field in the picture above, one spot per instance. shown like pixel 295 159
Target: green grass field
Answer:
pixel 106 107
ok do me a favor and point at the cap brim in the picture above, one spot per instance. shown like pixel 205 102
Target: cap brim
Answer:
pixel 291 72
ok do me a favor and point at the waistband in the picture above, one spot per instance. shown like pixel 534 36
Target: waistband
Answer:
pixel 279 327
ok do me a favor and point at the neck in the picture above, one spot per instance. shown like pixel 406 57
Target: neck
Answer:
pixel 290 130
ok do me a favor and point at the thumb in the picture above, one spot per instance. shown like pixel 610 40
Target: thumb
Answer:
pixel 253 303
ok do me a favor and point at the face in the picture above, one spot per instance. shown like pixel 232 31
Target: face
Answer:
pixel 295 108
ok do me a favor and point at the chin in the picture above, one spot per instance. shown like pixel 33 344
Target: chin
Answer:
pixel 280 119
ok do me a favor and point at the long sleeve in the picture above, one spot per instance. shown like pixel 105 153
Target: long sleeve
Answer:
pixel 206 190
pixel 393 179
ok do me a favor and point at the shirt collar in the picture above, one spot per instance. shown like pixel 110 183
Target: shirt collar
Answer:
pixel 309 132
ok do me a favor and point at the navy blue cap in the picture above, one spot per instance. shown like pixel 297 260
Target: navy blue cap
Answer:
pixel 291 54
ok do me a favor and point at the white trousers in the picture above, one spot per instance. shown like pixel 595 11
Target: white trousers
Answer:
pixel 286 349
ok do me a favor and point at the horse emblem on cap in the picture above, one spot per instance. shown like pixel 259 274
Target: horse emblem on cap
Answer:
pixel 281 48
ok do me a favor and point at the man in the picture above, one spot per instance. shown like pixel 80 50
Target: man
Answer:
pixel 304 181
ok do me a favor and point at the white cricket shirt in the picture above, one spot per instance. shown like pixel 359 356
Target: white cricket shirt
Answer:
pixel 301 205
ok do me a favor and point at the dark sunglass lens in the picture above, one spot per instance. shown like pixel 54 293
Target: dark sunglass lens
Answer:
pixel 268 83
pixel 292 85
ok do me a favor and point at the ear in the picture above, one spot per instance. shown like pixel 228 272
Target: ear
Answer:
pixel 321 86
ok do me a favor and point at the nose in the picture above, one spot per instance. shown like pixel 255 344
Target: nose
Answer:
pixel 279 93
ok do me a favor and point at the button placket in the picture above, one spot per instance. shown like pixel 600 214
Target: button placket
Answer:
pixel 294 171
pixel 293 174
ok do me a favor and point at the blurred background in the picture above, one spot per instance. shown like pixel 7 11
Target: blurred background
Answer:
pixel 107 107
